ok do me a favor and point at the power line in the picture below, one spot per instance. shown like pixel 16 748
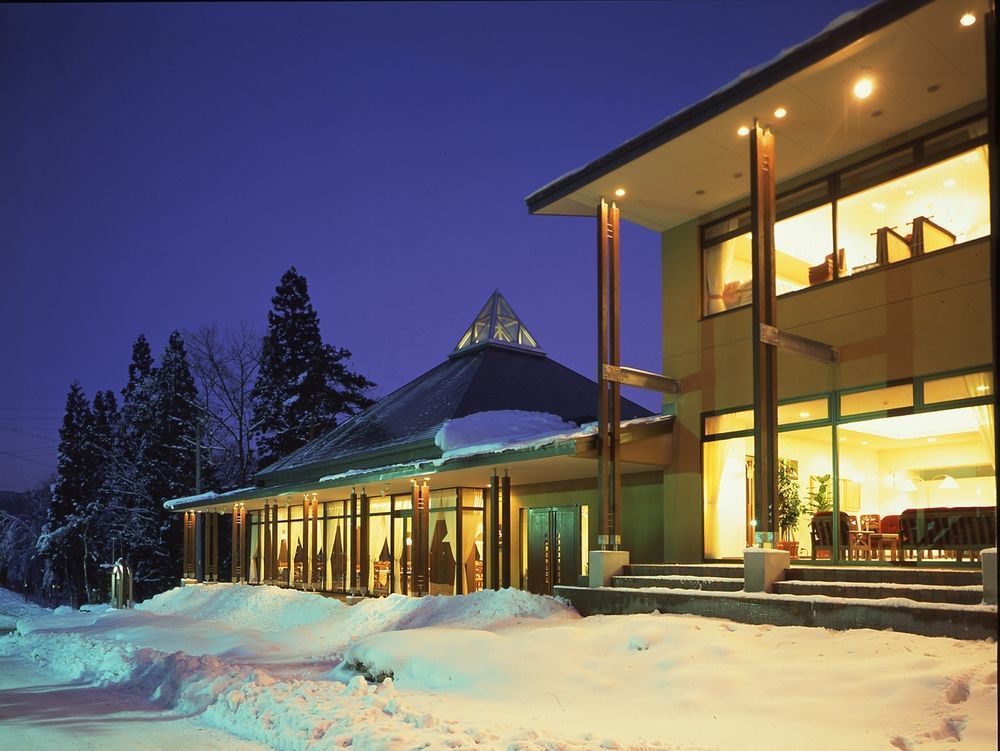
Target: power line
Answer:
pixel 26 459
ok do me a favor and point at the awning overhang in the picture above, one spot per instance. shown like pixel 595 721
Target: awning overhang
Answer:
pixel 926 66
pixel 646 446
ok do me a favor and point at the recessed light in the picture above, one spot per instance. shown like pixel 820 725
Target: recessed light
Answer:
pixel 620 192
pixel 967 20
pixel 878 205
pixel 780 112
pixel 743 131
pixel 803 414
pixel 909 192
pixel 983 387
pixel 864 443
pixel 932 440
pixel 864 88
pixel 949 183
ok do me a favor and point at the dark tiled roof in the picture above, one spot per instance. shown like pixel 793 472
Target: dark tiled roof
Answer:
pixel 486 379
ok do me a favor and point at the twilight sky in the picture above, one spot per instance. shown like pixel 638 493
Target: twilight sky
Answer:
pixel 162 165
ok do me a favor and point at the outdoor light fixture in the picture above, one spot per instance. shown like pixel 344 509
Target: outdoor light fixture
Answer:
pixel 864 88
pixel 780 112
pixel 620 192
pixel 968 19
pixel 743 131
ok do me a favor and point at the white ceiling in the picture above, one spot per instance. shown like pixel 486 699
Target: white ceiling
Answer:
pixel 825 122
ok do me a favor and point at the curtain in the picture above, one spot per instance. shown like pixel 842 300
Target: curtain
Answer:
pixel 718 259
pixel 716 454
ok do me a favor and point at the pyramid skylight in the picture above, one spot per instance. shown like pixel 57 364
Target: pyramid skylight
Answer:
pixel 497 323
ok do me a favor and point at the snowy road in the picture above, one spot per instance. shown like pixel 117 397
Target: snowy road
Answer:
pixel 38 712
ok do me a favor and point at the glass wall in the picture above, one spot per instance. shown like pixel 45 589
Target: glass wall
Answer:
pixel 845 481
pixel 887 210
pixel 338 534
pixel 378 567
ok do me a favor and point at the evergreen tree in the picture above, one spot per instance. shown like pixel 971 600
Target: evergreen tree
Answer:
pixel 65 539
pixel 303 384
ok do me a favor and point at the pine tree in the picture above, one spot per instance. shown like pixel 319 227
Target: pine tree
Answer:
pixel 64 542
pixel 303 384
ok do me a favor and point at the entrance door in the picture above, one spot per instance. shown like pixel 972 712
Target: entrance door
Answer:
pixel 553 547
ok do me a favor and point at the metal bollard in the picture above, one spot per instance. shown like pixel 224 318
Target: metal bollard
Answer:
pixel 121 586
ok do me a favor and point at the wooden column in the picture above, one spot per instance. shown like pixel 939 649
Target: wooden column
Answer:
pixel 314 569
pixel 265 544
pixel 365 532
pixel 609 391
pixel 211 545
pixel 190 565
pixel 505 530
pixel 494 531
pixel 990 29
pixel 764 313
pixel 239 546
pixel 420 564
pixel 355 571
pixel 306 558
pixel 275 576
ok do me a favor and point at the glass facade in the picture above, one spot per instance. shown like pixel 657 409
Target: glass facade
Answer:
pixel 884 211
pixel 866 465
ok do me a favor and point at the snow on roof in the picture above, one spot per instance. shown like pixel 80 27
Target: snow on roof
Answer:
pixel 202 498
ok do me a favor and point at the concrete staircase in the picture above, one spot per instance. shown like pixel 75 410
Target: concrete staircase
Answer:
pixel 932 602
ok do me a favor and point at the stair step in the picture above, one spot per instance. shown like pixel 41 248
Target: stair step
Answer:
pixel 714 570
pixel 676 581
pixel 885 574
pixel 953 594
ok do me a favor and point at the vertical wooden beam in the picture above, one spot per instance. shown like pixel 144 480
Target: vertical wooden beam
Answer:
pixel 265 544
pixel 365 553
pixel 505 533
pixel 354 577
pixel 317 571
pixel 420 564
pixel 990 29
pixel 459 545
pixel 614 387
pixel 306 558
pixel 764 312
pixel 603 491
pixel 275 548
pixel 494 531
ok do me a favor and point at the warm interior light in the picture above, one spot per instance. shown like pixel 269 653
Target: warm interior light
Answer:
pixel 803 414
pixel 780 112
pixel 863 88
pixel 968 19
pixel 982 388
pixel 743 131
pixel 948 483
pixel 620 192
pixel 932 439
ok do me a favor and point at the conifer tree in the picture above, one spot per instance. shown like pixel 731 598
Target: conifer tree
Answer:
pixel 303 384
pixel 64 542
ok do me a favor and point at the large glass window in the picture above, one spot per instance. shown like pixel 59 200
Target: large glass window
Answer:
pixel 905 216
pixel 889 469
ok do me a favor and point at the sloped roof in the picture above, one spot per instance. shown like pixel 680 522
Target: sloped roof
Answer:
pixel 484 378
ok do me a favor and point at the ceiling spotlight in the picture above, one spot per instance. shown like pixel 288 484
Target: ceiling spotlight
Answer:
pixel 743 131
pixel 968 19
pixel 780 112
pixel 864 88
pixel 949 183
pixel 932 440
pixel 803 414
pixel 864 443
pixel 620 192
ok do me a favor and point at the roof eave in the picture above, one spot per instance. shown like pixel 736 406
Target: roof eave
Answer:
pixel 808 53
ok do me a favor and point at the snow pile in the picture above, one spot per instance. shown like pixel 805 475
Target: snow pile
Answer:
pixel 492 431
pixel 268 609
pixel 13 607
pixel 511 670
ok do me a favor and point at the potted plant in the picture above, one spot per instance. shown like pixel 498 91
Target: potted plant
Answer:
pixel 789 505
pixel 820 497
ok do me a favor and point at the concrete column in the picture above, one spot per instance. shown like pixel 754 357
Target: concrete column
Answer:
pixel 762 567
pixel 603 564
pixel 989 561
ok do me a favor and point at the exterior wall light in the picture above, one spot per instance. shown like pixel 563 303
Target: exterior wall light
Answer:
pixel 864 88
pixel 743 131
pixel 780 112
pixel 968 19
pixel 620 192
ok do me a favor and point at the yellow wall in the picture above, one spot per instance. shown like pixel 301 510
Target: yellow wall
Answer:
pixel 926 316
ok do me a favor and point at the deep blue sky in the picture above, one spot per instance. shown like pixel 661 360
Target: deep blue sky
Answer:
pixel 163 165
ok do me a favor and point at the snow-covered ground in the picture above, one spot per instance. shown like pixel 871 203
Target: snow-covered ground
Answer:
pixel 497 670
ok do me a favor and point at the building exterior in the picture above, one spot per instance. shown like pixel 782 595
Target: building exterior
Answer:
pixel 478 473
pixel 828 226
